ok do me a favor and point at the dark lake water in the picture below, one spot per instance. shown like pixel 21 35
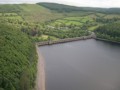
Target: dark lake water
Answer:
pixel 82 65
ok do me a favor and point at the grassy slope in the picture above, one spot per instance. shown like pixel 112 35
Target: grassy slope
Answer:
pixel 30 12
pixel 37 13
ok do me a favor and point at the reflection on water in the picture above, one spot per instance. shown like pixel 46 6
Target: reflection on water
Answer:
pixel 82 65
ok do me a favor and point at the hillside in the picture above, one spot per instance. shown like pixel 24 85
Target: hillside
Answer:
pixel 8 8
pixel 30 12
pixel 67 8
pixel 17 60
pixel 37 13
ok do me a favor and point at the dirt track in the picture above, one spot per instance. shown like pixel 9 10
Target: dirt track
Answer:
pixel 40 80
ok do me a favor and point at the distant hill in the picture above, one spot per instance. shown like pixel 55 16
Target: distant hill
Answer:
pixel 60 7
pixel 8 8
pixel 30 12
pixel 67 8
pixel 37 13
pixel 42 12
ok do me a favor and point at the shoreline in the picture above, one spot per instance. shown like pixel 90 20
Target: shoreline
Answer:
pixel 65 40
pixel 40 78
pixel 107 40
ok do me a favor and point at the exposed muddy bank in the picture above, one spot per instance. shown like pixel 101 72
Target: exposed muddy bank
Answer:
pixel 40 80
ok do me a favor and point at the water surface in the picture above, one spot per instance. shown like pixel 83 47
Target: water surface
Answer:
pixel 82 65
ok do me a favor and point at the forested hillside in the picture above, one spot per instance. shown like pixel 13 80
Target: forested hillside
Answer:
pixel 17 59
pixel 110 32
pixel 59 7
pixel 7 8
pixel 67 8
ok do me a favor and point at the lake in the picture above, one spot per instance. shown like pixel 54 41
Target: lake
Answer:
pixel 82 65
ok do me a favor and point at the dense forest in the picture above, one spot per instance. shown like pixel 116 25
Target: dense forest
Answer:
pixel 22 25
pixel 110 32
pixel 17 59
pixel 67 8
pixel 9 8
pixel 59 7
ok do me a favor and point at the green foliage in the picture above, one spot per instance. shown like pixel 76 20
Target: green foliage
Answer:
pixel 104 20
pixel 9 8
pixel 67 8
pixel 59 7
pixel 109 31
pixel 17 59
pixel 70 33
pixel 36 13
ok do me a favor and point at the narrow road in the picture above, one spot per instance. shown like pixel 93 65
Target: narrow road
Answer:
pixel 40 79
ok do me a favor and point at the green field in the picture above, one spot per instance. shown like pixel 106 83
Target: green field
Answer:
pixel 77 21
pixel 37 20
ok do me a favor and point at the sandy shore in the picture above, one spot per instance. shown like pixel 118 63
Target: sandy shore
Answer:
pixel 40 80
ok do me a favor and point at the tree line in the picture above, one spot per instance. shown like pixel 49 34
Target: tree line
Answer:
pixel 109 31
pixel 17 59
